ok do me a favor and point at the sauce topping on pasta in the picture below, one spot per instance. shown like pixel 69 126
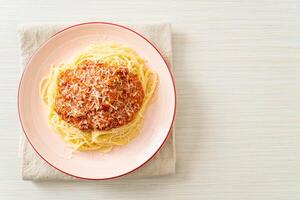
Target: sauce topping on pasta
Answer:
pixel 95 96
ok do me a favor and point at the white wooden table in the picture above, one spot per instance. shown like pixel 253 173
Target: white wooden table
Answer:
pixel 237 69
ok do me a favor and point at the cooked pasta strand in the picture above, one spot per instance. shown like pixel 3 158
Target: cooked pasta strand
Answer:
pixel 104 141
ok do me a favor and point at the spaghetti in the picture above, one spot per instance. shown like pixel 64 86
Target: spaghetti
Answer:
pixel 97 102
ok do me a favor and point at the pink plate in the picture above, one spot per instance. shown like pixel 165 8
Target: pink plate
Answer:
pixel 61 48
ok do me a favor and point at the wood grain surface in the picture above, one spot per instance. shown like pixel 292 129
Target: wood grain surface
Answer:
pixel 237 72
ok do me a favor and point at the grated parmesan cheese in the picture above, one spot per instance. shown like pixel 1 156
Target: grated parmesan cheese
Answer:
pixel 95 96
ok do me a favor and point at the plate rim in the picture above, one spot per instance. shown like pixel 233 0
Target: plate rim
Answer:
pixel 81 24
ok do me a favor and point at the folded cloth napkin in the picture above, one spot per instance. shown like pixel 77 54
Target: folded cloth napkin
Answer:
pixel 35 168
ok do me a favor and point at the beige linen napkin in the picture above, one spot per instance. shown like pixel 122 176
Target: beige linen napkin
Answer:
pixel 35 168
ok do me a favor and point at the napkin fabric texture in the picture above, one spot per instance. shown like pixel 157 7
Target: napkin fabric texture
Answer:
pixel 35 168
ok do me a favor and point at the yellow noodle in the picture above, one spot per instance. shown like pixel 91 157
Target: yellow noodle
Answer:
pixel 104 141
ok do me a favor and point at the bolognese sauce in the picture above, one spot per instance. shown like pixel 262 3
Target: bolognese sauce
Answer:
pixel 95 96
